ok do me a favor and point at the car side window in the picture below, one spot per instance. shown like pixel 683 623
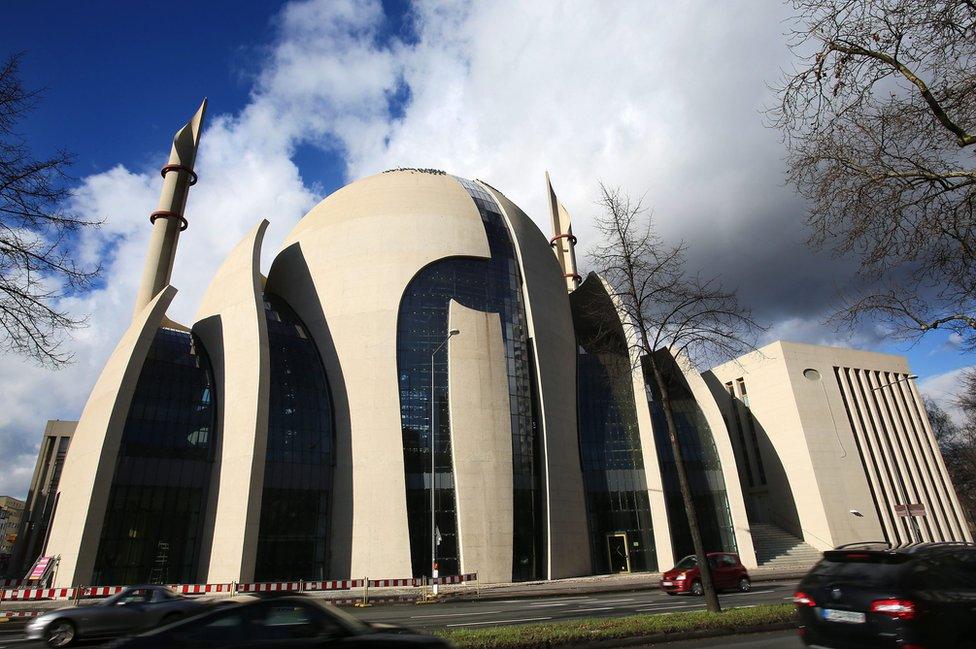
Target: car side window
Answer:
pixel 728 561
pixel 136 596
pixel 286 621
pixel 220 628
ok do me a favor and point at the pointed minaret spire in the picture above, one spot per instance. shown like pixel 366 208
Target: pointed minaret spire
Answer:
pixel 563 242
pixel 168 220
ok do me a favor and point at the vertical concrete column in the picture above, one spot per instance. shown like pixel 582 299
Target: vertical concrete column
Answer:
pixel 231 323
pixel 481 443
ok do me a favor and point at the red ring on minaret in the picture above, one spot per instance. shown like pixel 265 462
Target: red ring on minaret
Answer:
pixel 572 239
pixel 575 276
pixel 166 214
pixel 178 167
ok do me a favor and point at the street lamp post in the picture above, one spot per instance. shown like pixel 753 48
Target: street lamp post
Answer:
pixel 433 421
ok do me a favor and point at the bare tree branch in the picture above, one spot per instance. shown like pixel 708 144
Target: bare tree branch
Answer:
pixel 37 267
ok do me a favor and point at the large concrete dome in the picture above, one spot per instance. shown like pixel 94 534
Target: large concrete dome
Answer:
pixel 379 272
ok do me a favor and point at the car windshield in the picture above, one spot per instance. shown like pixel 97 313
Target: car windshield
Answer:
pixel 688 562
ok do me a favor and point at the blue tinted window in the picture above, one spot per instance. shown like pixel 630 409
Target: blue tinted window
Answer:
pixel 295 502
pixel 158 499
pixel 486 285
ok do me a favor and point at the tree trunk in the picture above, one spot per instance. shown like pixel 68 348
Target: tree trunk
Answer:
pixel 711 598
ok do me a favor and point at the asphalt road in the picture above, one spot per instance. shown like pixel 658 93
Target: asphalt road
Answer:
pixel 475 614
pixel 778 640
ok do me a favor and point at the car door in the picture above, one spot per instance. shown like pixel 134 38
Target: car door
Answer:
pixel 718 574
pixel 127 613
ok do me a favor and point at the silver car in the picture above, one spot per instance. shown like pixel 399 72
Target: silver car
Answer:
pixel 135 609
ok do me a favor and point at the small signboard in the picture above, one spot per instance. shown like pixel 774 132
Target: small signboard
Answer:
pixel 40 568
pixel 911 509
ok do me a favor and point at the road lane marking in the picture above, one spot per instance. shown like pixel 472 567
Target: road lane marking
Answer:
pixel 524 619
pixel 418 617
pixel 548 605
pixel 614 601
pixel 666 608
pixel 601 608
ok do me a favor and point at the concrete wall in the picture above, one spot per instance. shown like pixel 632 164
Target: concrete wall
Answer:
pixel 231 323
pixel 481 443
pixel 344 269
pixel 852 437
pixel 90 464
pixel 553 344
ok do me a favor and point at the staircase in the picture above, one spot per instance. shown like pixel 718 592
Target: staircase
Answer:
pixel 778 549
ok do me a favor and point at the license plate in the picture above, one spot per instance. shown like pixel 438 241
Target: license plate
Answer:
pixel 850 617
pixel 667 583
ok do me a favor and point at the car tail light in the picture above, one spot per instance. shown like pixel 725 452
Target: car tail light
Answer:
pixel 900 609
pixel 802 599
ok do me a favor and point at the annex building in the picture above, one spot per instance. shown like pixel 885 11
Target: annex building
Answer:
pixel 422 376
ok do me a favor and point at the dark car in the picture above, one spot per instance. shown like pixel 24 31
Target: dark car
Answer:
pixel 136 608
pixel 294 622
pixel 874 595
pixel 728 573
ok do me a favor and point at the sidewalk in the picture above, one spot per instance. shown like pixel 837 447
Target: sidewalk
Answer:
pixel 472 591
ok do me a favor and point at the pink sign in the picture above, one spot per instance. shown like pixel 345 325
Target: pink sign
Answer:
pixel 40 568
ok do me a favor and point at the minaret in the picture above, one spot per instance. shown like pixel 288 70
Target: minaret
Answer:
pixel 563 242
pixel 168 220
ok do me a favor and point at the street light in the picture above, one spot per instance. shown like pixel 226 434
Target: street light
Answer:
pixel 904 378
pixel 433 517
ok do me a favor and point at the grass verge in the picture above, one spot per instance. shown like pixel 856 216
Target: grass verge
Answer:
pixel 636 626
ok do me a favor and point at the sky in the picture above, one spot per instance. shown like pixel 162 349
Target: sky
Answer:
pixel 661 99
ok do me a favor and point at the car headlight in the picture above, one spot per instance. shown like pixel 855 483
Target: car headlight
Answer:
pixel 680 577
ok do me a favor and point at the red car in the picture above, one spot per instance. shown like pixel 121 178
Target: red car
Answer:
pixel 728 573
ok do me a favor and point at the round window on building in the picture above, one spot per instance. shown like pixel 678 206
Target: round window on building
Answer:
pixel 812 374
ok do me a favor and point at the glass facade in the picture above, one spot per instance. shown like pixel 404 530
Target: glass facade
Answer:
pixel 702 465
pixel 490 285
pixel 158 499
pixel 296 500
pixel 613 465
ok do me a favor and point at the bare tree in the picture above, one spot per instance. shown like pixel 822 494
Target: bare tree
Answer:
pixel 680 318
pixel 36 257
pixel 957 443
pixel 879 117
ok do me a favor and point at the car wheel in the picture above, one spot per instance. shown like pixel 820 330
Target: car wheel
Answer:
pixel 169 619
pixel 59 633
pixel 744 585
pixel 696 589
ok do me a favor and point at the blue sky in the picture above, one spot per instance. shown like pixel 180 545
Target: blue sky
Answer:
pixel 305 96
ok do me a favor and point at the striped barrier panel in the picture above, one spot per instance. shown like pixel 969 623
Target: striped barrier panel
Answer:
pixel 38 593
pixel 335 584
pixel 13 615
pixel 99 591
pixel 457 579
pixel 395 583
pixel 201 589
pixel 270 587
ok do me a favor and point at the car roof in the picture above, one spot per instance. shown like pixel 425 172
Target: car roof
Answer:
pixel 905 548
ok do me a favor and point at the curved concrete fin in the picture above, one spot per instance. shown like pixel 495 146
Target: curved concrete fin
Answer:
pixel 90 464
pixel 232 326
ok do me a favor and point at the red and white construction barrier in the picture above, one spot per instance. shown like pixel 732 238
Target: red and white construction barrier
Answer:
pixel 202 589
pixel 457 579
pixel 13 615
pixel 270 587
pixel 335 584
pixel 20 594
pixel 394 583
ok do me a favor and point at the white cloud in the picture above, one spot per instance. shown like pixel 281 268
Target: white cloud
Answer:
pixel 943 388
